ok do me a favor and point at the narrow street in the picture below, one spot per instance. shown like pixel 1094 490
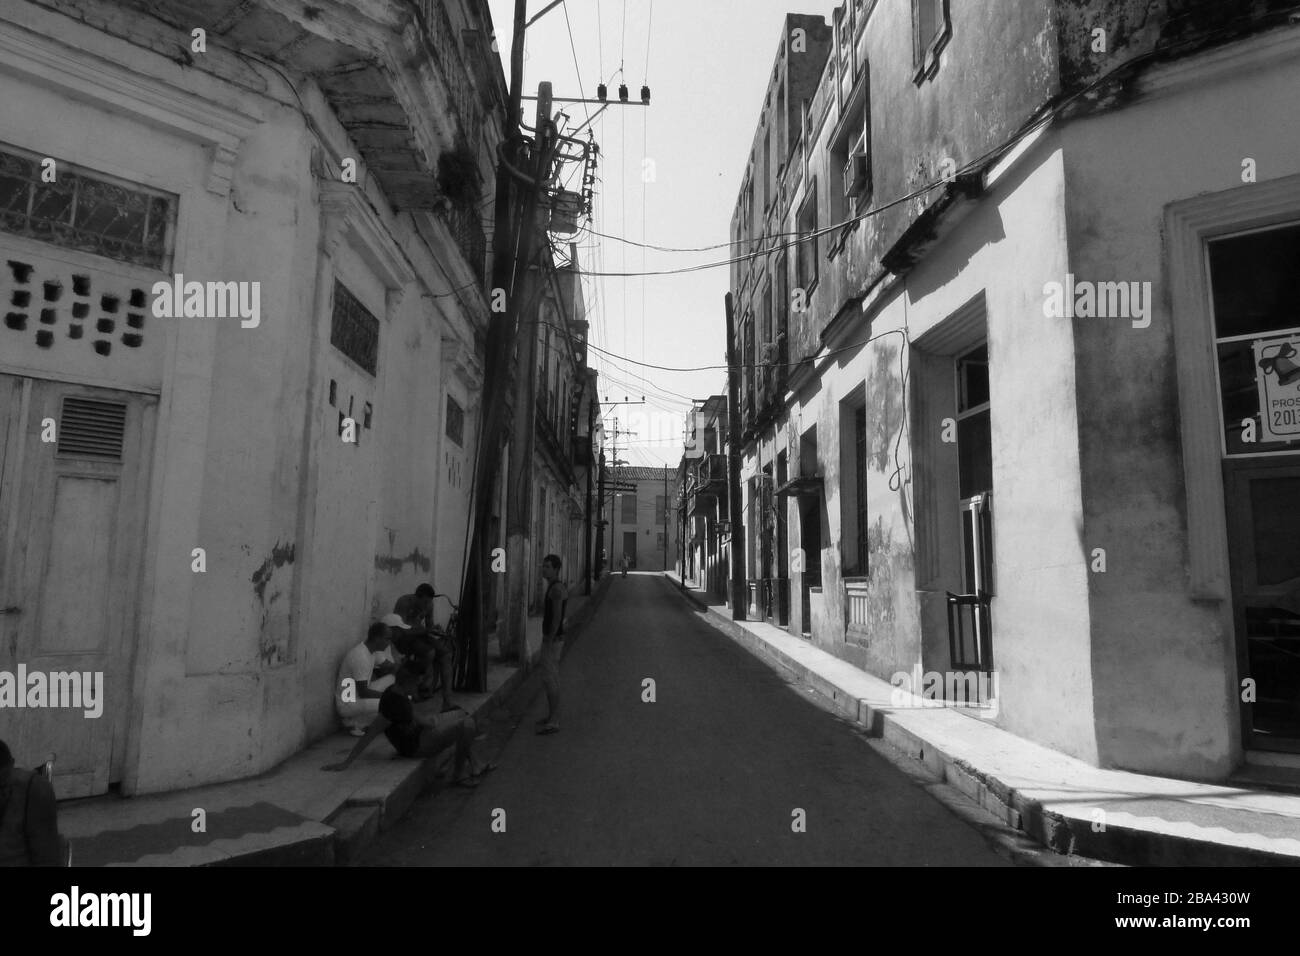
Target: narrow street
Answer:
pixel 709 774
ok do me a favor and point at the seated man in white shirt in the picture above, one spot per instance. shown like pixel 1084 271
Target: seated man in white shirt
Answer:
pixel 355 697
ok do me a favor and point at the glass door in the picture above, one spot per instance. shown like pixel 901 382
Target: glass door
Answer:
pixel 1255 288
pixel 970 638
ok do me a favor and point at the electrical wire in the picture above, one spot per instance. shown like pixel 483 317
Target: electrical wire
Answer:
pixel 600 43
pixel 649 29
pixel 574 50
pixel 1027 129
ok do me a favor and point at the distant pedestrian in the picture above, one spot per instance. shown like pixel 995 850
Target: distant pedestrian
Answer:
pixel 29 824
pixel 552 642
pixel 623 564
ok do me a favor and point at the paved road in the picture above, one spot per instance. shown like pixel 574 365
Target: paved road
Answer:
pixel 711 773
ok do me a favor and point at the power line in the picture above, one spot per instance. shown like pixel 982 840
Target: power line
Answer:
pixel 576 69
pixel 748 365
pixel 648 30
pixel 600 44
pixel 1030 127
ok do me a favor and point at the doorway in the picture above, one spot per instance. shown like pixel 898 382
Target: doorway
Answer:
pixel 73 502
pixel 1255 282
pixel 629 548
pixel 970 635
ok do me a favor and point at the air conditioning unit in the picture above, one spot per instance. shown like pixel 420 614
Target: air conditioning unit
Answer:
pixel 856 173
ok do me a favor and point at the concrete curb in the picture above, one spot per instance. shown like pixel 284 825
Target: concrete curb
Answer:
pixel 1069 836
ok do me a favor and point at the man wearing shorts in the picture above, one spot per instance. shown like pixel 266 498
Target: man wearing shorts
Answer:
pixel 414 736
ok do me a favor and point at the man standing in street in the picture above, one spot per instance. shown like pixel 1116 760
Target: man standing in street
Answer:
pixel 552 642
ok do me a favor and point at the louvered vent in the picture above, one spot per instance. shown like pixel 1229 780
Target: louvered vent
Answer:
pixel 92 429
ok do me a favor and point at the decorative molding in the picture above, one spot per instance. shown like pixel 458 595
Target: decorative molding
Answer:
pixel 1189 224
pixel 393 300
pixel 117 89
pixel 347 215
pixel 458 359
pixel 1253 52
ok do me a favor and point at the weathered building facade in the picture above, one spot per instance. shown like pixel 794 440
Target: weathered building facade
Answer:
pixel 1033 415
pixel 566 406
pixel 232 494
pixel 642 517
pixel 703 498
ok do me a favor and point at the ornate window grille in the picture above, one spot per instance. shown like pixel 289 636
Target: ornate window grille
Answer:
pixel 86 211
pixel 354 331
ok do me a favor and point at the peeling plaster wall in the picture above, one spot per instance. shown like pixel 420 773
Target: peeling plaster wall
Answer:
pixel 1137 27
pixel 1012 243
pixel 1165 664
pixel 235 666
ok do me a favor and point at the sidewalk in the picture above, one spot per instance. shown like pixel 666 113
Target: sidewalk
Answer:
pixel 1063 803
pixel 296 814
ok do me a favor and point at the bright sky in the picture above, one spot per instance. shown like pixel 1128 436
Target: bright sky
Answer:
pixel 707 63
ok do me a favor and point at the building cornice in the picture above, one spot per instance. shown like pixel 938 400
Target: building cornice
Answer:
pixel 115 88
pixel 347 216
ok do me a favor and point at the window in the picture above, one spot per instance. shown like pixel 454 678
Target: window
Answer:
pixel 931 29
pixel 354 331
pixel 850 159
pixel 455 422
pixel 975 469
pixel 1255 283
pixel 806 274
pixel 747 361
pixel 974 432
pixel 86 211
pixel 660 503
pixel 860 474
pixel 767 169
pixel 628 505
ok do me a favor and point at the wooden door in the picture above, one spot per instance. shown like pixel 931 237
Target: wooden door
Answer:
pixel 1263 502
pixel 73 494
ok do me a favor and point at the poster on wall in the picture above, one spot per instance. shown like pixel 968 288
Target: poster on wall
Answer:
pixel 1277 374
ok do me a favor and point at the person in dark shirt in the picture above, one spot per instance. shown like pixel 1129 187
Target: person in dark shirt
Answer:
pixel 415 736
pixel 423 642
pixel 29 826
pixel 552 642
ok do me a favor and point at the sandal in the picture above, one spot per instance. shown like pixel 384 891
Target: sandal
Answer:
pixel 486 769
pixel 549 729
pixel 467 782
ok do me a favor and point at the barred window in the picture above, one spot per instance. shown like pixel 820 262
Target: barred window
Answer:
pixel 455 422
pixel 629 508
pixel 354 331
pixel 86 211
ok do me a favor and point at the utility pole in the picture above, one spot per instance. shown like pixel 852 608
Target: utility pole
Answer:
pixel 498 349
pixel 665 518
pixel 590 455
pixel 738 590
pixel 600 516
pixel 519 506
